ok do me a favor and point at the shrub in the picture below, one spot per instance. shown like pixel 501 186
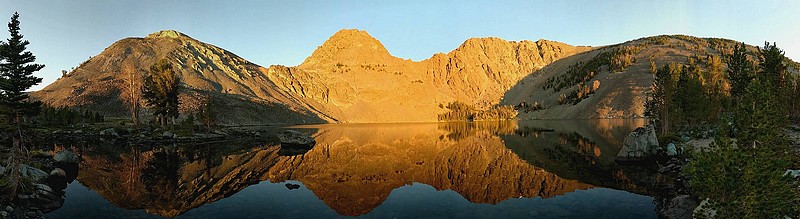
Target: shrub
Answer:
pixel 460 111
pixel 745 181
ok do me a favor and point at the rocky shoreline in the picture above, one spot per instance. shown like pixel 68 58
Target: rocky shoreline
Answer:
pixel 676 199
pixel 47 187
pixel 149 135
pixel 49 171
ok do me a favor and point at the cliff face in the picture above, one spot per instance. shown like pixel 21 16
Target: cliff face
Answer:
pixel 353 78
pixel 349 78
pixel 482 69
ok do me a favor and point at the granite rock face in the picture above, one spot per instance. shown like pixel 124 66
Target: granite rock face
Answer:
pixel 639 144
pixel 351 77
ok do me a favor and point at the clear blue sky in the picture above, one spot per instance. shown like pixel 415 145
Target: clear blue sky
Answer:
pixel 64 33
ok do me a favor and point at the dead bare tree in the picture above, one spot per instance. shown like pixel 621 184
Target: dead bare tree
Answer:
pixel 132 90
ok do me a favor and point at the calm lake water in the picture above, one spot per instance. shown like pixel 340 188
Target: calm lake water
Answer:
pixel 541 169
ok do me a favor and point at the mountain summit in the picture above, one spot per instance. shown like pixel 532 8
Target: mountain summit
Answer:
pixel 349 47
pixel 167 34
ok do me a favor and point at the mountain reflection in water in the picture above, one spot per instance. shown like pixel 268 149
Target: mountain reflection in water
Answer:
pixel 355 169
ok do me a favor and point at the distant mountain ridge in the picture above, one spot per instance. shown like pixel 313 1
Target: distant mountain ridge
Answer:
pixel 352 78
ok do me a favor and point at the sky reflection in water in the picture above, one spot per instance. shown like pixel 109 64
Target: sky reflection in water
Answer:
pixel 542 169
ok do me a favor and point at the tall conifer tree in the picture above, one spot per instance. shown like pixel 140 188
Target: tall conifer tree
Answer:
pixel 16 76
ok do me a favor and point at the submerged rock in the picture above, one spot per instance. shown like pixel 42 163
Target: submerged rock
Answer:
pixel 639 145
pixel 295 139
pixel 292 186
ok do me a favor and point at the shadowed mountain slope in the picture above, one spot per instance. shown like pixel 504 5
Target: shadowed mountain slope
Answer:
pixel 618 77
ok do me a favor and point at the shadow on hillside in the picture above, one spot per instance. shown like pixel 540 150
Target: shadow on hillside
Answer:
pixel 234 109
pixel 523 90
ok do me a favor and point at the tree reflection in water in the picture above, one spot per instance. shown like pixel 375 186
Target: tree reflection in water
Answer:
pixel 354 168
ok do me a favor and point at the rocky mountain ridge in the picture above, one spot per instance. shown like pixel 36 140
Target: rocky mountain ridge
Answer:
pixel 351 78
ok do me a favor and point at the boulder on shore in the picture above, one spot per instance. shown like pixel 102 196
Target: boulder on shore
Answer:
pixel 672 150
pixel 704 210
pixel 66 156
pixel 43 198
pixel 36 175
pixel 639 145
pixel 679 207
pixel 295 139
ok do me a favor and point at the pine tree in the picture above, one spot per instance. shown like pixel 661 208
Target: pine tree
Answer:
pixel 161 91
pixel 660 104
pixel 16 76
pixel 771 65
pixel 740 72
pixel 207 115
pixel 690 97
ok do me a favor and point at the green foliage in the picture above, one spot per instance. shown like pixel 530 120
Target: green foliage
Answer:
pixel 576 96
pixel 161 91
pixel 526 107
pixel 658 40
pixel 793 96
pixel 460 111
pixel 24 186
pixel 16 73
pixel 617 60
pixel 689 100
pixel 772 65
pixel 63 117
pixel 622 58
pixel 496 113
pixel 740 71
pixel 744 181
pixel 759 115
pixel 653 68
pixel 578 73
pixel 686 96
pixel 16 76
pixel 207 116
pixel 659 103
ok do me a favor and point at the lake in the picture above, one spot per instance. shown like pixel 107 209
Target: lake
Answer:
pixel 542 169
